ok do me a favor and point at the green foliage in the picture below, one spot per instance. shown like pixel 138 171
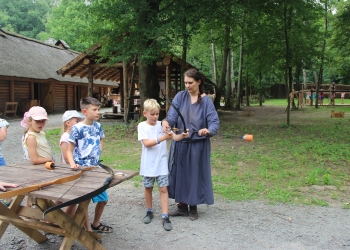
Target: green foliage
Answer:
pixel 25 17
pixel 70 21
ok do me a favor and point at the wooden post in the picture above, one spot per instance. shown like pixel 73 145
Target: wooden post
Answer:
pixel 125 90
pixel 12 90
pixel 75 97
pixel 121 89
pixel 91 81
pixel 32 91
pixel 176 82
pixel 67 98
pixel 167 86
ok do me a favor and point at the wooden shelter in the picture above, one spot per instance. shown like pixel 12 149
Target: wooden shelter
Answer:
pixel 28 75
pixel 90 65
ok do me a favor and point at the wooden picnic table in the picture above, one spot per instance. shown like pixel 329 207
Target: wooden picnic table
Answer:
pixel 29 219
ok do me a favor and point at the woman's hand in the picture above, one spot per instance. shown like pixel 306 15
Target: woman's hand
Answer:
pixel 165 126
pixel 204 131
pixel 186 134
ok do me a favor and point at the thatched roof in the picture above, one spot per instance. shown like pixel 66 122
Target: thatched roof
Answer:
pixel 29 58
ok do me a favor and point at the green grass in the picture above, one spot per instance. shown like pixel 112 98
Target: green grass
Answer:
pixel 285 163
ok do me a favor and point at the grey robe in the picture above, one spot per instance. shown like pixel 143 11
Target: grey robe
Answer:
pixel 189 162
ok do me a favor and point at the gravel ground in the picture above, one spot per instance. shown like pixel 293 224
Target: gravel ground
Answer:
pixel 224 225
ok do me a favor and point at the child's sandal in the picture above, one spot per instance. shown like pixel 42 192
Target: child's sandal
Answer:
pixel 102 229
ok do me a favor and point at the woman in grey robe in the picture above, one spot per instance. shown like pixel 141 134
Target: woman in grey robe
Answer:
pixel 190 181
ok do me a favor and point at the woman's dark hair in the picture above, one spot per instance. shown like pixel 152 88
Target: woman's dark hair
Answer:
pixel 196 75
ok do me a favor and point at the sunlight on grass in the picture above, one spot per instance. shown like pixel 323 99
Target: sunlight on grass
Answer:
pixel 284 163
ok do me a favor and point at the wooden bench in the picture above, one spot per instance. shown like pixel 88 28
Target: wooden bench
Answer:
pixel 10 108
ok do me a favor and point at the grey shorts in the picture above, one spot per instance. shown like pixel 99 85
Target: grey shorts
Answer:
pixel 162 181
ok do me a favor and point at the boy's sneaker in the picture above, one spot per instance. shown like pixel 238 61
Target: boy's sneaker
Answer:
pixel 167 224
pixel 148 218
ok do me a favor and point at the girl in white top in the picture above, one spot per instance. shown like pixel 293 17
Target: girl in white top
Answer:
pixel 69 119
pixel 35 145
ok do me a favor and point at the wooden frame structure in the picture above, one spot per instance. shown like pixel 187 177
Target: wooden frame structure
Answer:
pixel 88 64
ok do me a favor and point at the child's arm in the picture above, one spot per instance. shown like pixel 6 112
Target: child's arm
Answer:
pixel 102 143
pixel 64 150
pixel 3 133
pixel 33 154
pixel 151 143
pixel 71 162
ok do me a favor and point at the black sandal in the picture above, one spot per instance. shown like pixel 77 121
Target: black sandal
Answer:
pixel 102 229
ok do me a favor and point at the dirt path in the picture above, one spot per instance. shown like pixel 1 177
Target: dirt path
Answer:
pixel 224 225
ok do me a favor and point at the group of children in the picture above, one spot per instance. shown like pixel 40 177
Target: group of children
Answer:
pixel 81 145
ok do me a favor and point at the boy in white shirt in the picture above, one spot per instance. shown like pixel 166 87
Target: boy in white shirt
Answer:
pixel 154 159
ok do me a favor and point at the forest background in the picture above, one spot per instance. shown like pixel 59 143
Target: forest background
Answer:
pixel 239 44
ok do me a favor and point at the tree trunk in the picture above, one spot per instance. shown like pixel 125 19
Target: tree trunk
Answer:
pixel 305 78
pixel 183 66
pixel 316 82
pixel 224 67
pixel 260 92
pixel 288 69
pixel 247 93
pixel 213 54
pixel 228 94
pixel 320 77
pixel 148 82
pixel 239 83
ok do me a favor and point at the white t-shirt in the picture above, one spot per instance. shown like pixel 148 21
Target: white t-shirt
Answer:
pixel 64 139
pixel 154 160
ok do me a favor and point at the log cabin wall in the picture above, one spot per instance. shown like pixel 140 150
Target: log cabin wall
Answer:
pixel 21 94
pixel 60 97
pixel 4 93
pixel 54 96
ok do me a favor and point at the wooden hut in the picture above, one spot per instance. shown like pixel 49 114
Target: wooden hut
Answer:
pixel 28 75
pixel 91 66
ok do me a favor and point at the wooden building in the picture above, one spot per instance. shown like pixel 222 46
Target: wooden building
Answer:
pixel 91 66
pixel 28 75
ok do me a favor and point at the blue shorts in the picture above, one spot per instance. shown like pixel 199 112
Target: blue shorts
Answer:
pixel 2 162
pixel 101 197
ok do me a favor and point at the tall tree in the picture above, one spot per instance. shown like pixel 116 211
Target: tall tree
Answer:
pixel 69 22
pixel 25 17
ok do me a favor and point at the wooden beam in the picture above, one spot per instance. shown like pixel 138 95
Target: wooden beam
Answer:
pixel 75 106
pixel 67 99
pixel 86 61
pixel 125 90
pixel 63 71
pixel 32 90
pixel 167 86
pixel 121 89
pixel 166 60
pixel 12 90
pixel 91 81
